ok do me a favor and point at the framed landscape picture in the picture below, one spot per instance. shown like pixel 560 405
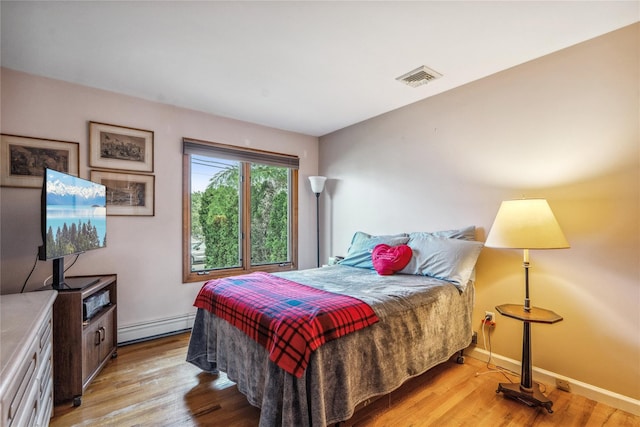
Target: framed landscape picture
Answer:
pixel 127 193
pixel 24 159
pixel 118 147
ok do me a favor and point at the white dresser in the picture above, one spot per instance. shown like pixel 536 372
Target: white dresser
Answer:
pixel 26 359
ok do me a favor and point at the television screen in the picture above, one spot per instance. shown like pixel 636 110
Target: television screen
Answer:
pixel 74 215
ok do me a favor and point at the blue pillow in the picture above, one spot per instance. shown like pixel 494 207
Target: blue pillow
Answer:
pixel 447 259
pixel 362 244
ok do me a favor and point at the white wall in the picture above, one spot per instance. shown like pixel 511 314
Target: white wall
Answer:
pixel 145 252
pixel 564 127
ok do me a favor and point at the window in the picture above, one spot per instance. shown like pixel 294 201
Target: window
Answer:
pixel 239 210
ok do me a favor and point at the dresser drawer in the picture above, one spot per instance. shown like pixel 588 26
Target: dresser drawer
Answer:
pixel 26 385
pixel 27 414
pixel 46 406
pixel 45 371
pixel 15 399
pixel 45 332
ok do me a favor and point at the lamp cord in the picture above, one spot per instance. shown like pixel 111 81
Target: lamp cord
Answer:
pixel 494 368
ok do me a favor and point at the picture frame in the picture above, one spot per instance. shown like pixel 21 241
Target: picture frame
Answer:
pixel 127 193
pixel 120 147
pixel 24 158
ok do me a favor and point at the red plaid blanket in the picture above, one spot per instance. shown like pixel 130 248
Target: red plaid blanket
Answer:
pixel 289 319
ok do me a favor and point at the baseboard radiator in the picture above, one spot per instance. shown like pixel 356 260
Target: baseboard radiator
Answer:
pixel 153 329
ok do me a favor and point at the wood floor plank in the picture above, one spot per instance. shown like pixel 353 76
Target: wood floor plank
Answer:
pixel 149 384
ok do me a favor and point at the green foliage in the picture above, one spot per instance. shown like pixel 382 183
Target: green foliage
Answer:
pixel 277 233
pixel 269 214
pixel 196 225
pixel 218 217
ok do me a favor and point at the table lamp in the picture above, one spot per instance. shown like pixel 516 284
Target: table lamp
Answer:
pixel 526 224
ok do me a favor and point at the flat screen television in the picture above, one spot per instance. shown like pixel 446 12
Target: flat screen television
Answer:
pixel 74 220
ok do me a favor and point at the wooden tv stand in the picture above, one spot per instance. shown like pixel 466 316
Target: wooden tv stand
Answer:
pixel 82 348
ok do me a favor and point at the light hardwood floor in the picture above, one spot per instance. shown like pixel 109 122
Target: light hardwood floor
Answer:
pixel 150 384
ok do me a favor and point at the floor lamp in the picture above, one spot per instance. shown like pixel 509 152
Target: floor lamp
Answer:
pixel 526 224
pixel 317 185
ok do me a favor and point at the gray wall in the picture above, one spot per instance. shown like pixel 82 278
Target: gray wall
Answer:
pixel 145 252
pixel 564 127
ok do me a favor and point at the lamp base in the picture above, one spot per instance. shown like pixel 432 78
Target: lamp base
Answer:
pixel 531 398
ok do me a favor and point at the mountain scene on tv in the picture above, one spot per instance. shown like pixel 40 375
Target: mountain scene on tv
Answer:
pixel 76 215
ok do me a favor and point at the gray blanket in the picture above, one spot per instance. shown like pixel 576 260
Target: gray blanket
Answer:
pixel 423 322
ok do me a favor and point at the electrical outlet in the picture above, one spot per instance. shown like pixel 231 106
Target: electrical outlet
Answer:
pixel 563 385
pixel 489 316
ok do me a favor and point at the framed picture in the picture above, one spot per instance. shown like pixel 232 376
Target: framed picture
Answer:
pixel 23 159
pixel 118 147
pixel 127 193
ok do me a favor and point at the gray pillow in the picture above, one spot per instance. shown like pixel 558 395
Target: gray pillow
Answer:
pixel 466 233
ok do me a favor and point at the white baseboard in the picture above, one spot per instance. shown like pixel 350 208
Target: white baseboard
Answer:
pixel 142 330
pixel 592 392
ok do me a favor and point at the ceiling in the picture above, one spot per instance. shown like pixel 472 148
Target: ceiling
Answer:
pixel 306 66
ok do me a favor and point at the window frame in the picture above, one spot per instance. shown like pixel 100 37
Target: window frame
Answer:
pixel 190 276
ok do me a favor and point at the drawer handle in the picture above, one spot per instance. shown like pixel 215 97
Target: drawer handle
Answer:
pixel 100 335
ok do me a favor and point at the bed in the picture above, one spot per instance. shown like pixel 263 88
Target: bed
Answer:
pixel 422 321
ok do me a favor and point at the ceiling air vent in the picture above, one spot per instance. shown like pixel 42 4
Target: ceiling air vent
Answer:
pixel 419 76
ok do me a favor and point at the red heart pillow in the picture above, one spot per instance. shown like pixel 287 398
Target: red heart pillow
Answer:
pixel 387 259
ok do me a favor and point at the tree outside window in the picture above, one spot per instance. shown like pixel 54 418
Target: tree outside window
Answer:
pixel 239 215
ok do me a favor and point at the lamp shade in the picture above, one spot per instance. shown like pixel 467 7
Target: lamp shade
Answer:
pixel 526 224
pixel 317 183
